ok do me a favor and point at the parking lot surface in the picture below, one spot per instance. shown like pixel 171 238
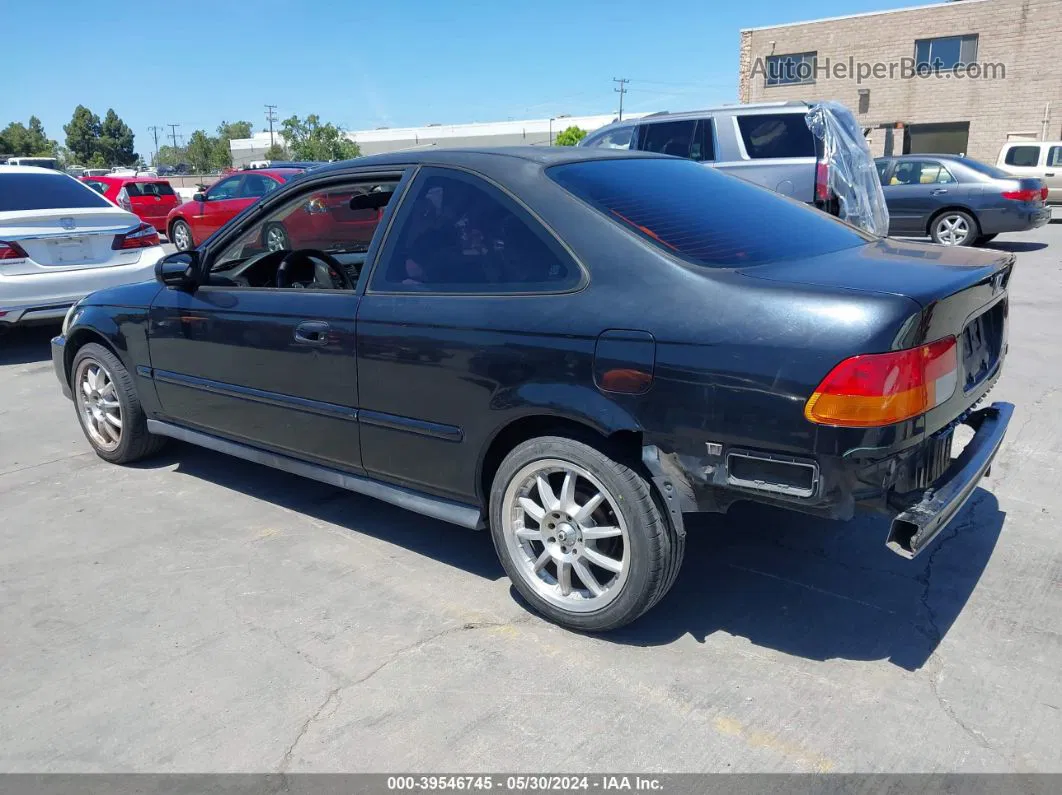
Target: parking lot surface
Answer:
pixel 201 614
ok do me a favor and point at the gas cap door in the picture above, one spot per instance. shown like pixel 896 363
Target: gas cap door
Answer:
pixel 624 360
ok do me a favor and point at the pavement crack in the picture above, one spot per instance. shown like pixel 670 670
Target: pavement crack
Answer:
pixel 334 695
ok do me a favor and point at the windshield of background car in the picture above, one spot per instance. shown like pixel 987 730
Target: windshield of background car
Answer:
pixel 46 192
pixel 702 215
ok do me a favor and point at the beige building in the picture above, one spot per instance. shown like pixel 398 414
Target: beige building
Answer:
pixel 960 77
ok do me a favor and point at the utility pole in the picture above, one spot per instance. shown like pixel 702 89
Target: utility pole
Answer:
pixel 271 117
pixel 622 81
pixel 155 129
pixel 173 132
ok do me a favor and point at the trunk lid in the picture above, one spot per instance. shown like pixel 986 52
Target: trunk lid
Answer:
pixel 69 239
pixel 923 272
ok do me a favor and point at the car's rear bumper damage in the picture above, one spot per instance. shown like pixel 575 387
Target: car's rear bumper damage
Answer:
pixel 920 486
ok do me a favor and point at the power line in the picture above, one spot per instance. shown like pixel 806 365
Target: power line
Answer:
pixel 271 117
pixel 173 132
pixel 622 82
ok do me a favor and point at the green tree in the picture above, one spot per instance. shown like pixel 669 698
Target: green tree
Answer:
pixel 169 156
pixel 201 152
pixel 116 141
pixel 27 141
pixel 312 140
pixel 236 129
pixel 275 152
pixel 570 136
pixel 83 134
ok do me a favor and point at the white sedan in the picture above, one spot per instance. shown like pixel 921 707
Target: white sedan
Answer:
pixel 60 240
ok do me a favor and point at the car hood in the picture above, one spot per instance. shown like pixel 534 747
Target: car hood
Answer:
pixel 921 271
pixel 138 295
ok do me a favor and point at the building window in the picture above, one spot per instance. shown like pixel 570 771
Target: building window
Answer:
pixel 945 52
pixel 791 70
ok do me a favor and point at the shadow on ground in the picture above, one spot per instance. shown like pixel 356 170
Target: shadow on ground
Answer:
pixel 26 345
pixel 803 586
pixel 1016 246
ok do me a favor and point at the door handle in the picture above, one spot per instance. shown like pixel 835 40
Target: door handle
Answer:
pixel 312 332
pixel 938 191
pixel 1049 173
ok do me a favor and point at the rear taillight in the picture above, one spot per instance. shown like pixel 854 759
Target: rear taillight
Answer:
pixel 822 181
pixel 123 200
pixel 1043 193
pixel 11 251
pixel 143 236
pixel 1026 194
pixel 883 388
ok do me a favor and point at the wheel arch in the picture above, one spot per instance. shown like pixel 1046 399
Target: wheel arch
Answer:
pixel 78 339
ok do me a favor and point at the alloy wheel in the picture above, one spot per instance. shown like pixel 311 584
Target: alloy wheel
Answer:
pixel 953 230
pixel 566 535
pixel 182 238
pixel 276 239
pixel 99 405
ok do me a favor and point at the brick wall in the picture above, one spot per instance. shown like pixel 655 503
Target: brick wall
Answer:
pixel 1021 34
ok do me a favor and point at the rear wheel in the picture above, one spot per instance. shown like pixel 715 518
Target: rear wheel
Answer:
pixel 580 535
pixel 954 228
pixel 181 236
pixel 108 407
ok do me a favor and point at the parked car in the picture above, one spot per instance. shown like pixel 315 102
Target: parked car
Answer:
pixel 96 172
pixel 166 171
pixel 575 347
pixel 59 241
pixel 150 199
pixel 958 201
pixel 767 143
pixel 189 224
pixel 1038 159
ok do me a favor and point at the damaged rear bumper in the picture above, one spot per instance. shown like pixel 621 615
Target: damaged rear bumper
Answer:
pixel 915 527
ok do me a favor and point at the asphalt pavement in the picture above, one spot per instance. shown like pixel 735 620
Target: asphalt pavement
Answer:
pixel 197 613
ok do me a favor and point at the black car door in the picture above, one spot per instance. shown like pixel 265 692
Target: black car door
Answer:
pixel 264 352
pixel 471 300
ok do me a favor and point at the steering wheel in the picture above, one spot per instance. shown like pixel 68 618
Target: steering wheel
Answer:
pixel 328 273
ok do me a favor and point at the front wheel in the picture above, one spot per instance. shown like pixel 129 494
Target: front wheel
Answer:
pixel 181 236
pixel 954 228
pixel 108 407
pixel 580 535
pixel 276 238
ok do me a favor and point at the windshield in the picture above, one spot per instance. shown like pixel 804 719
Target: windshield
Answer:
pixel 46 192
pixel 702 215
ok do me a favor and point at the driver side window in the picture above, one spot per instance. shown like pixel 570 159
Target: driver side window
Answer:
pixel 226 189
pixel 315 239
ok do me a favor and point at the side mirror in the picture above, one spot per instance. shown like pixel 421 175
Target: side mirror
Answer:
pixel 199 197
pixel 179 270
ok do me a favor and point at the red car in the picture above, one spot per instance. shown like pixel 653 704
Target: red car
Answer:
pixel 194 221
pixel 149 198
pixel 325 222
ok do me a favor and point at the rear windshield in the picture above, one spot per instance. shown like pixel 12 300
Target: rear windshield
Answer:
pixel 776 135
pixel 148 189
pixel 703 215
pixel 46 192
pixel 986 169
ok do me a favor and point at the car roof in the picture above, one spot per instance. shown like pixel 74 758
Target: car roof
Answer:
pixel 119 178
pixel 923 155
pixel 496 156
pixel 6 169
pixel 283 173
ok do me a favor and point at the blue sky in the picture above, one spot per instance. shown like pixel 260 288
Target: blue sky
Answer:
pixel 368 64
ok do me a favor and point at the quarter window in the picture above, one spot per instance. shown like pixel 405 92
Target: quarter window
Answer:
pixel 791 70
pixel 1023 156
pixel 1054 157
pixel 455 233
pixel 945 52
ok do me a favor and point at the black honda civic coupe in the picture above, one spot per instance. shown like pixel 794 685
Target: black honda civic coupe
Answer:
pixel 572 347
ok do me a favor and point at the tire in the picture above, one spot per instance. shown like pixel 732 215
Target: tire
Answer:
pixel 112 398
pixel 181 236
pixel 275 238
pixel 985 239
pixel 954 228
pixel 626 530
